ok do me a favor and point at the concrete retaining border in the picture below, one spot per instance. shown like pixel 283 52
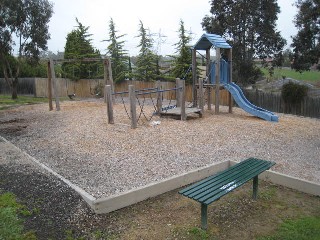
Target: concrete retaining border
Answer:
pixel 109 204
pixel 289 181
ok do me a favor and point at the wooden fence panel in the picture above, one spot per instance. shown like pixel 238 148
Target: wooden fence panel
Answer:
pixel 26 86
pixel 82 88
pixel 309 107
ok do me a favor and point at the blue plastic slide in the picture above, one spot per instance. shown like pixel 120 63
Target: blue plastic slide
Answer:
pixel 243 102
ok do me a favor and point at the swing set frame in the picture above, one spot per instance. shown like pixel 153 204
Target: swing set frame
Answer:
pixel 52 81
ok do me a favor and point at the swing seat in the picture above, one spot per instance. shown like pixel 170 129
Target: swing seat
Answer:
pixel 71 96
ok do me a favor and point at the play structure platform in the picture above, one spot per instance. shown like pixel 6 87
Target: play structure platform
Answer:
pixel 176 112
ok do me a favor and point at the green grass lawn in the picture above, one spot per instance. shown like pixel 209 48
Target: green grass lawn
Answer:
pixel 6 101
pixel 307 228
pixel 308 76
pixel 11 224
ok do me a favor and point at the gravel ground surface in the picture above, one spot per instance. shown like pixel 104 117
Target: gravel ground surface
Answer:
pixel 57 211
pixel 51 202
pixel 103 159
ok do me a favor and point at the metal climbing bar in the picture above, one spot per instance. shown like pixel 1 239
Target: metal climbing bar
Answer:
pixel 170 89
pixel 146 89
pixel 142 91
pixel 164 90
pixel 118 93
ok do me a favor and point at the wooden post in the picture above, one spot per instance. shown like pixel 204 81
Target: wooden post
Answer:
pixel 133 112
pixel 108 97
pixel 194 78
pixel 208 64
pixel 105 71
pixel 178 92
pixel 55 88
pixel 209 97
pixel 49 87
pixel 159 98
pixel 182 83
pixel 217 103
pixel 201 96
pixel 108 75
pixel 230 99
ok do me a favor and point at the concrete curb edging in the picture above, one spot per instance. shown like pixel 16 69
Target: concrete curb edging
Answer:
pixel 289 181
pixel 112 203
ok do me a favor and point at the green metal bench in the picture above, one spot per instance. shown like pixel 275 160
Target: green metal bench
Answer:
pixel 214 187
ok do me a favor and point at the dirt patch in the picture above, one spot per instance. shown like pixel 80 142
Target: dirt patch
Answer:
pixel 13 127
pixel 171 216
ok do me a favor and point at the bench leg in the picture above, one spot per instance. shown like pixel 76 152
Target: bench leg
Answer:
pixel 204 216
pixel 255 187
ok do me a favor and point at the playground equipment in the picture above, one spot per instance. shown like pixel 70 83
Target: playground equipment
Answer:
pixel 52 83
pixel 219 76
pixel 179 109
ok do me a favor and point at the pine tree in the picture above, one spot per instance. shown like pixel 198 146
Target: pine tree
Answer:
pixel 118 54
pixel 78 46
pixel 183 59
pixel 146 67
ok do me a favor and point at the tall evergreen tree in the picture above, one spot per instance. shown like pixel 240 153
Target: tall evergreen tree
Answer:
pixel 78 47
pixel 130 74
pixel 306 44
pixel 28 20
pixel 183 59
pixel 117 53
pixel 250 26
pixel 146 67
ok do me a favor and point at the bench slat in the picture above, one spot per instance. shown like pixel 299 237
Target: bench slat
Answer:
pixel 214 187
pixel 219 181
pixel 222 173
pixel 220 178
pixel 237 183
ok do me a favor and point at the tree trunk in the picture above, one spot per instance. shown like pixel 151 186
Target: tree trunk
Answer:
pixel 14 94
pixel 15 80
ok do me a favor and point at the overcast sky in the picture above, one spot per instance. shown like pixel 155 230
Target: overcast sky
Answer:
pixel 161 17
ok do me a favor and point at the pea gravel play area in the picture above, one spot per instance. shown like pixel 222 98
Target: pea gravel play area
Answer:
pixel 104 159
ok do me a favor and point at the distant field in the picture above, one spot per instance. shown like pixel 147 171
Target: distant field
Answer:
pixel 308 76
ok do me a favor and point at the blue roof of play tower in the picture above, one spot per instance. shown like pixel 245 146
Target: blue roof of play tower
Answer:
pixel 207 40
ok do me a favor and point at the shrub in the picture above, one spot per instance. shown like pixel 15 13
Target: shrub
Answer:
pixel 293 93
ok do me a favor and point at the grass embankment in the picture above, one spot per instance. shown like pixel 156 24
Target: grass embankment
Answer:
pixel 307 76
